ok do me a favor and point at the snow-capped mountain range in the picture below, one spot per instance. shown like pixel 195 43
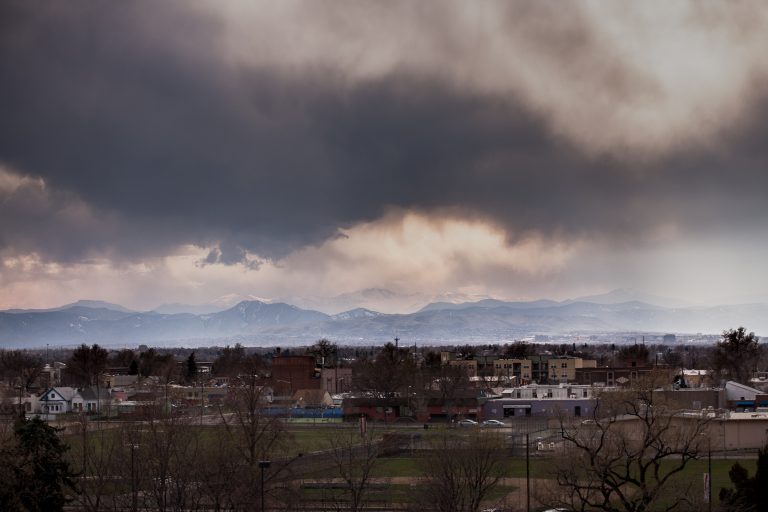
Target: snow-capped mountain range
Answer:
pixel 258 322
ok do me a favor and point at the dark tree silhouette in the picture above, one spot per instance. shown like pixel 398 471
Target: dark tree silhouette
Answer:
pixel 34 475
pixel 517 350
pixel 153 363
pixel 19 367
pixel 748 494
pixel 86 364
pixel 230 361
pixel 123 358
pixel 391 371
pixel 634 353
pixel 190 371
pixel 735 355
pixel 323 349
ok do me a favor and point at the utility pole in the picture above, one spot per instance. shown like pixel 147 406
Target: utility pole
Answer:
pixel 263 464
pixel 134 493
pixel 527 474
pixel 709 471
pixel 85 439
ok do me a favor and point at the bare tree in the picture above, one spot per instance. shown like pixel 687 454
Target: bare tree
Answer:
pixel 354 457
pixel 255 435
pixel 98 456
pixel 460 470
pixel 220 468
pixel 169 449
pixel 230 361
pixel 323 349
pixel 387 374
pixel 20 367
pixel 629 455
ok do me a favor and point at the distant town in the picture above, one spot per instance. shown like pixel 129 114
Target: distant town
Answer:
pixel 335 427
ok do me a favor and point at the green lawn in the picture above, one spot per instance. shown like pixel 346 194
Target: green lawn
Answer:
pixel 540 468
pixel 310 438
pixel 382 492
pixel 396 466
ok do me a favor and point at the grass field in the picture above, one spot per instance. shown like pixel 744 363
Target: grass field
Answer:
pixel 306 439
pixel 383 492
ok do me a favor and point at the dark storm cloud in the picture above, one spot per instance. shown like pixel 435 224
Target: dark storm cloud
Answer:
pixel 131 111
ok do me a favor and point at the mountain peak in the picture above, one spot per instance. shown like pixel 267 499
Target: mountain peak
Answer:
pixel 356 313
pixel 95 304
pixel 620 295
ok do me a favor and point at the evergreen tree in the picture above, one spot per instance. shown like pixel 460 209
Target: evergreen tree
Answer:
pixel 34 476
pixel 735 355
pixel 191 369
pixel 748 494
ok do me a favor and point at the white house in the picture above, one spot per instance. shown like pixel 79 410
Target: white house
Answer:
pixel 57 400
pixel 91 400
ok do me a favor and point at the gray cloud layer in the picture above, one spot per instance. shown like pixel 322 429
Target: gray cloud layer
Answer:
pixel 134 113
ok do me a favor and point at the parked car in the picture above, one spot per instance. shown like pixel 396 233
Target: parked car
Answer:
pixel 493 423
pixel 467 423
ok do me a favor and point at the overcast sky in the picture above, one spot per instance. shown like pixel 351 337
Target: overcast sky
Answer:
pixel 155 152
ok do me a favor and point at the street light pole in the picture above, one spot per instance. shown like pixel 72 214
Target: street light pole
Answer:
pixel 709 470
pixel 708 490
pixel 263 464
pixel 134 494
pixel 527 474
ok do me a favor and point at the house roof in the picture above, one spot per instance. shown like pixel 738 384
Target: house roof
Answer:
pixel 93 392
pixel 735 391
pixel 62 393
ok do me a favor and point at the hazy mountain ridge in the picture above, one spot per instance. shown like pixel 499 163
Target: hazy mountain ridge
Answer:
pixel 261 322
pixel 357 313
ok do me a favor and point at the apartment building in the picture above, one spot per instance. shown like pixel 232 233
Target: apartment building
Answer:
pixel 519 369
pixel 563 369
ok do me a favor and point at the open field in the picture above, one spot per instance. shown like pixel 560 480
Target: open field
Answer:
pixel 398 472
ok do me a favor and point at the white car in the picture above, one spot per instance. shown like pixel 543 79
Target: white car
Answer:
pixel 493 423
pixel 467 423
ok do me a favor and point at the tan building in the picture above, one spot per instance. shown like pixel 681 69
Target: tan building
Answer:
pixel 513 368
pixel 564 369
pixel 729 431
